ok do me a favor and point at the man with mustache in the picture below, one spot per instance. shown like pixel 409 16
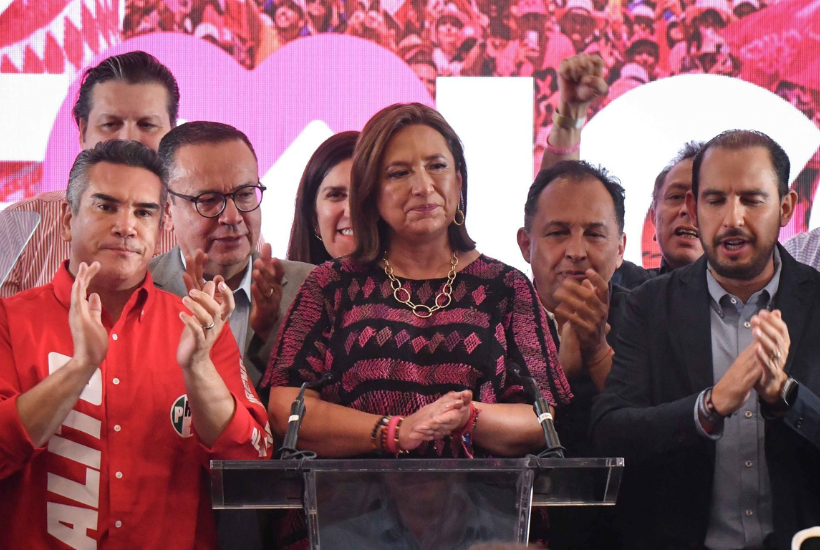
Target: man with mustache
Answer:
pixel 214 211
pixel 713 393
pixel 127 96
pixel 114 395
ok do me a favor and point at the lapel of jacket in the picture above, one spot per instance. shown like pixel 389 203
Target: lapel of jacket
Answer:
pixel 167 272
pixel 794 293
pixel 693 331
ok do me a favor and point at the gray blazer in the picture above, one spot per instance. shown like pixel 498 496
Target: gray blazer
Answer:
pixel 167 270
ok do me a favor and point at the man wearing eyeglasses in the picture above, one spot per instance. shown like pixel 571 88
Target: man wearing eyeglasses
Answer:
pixel 214 212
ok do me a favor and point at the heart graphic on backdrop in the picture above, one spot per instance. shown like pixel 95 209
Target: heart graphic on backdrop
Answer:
pixel 339 80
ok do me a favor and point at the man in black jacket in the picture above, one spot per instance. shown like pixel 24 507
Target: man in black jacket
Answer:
pixel 712 397
pixel 573 238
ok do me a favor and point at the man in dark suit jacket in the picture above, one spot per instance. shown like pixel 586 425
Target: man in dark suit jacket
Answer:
pixel 573 239
pixel 712 397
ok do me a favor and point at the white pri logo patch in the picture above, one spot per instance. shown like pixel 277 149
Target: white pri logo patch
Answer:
pixel 181 416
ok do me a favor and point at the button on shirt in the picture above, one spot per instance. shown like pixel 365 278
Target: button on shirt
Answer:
pixel 240 317
pixel 125 469
pixel 741 509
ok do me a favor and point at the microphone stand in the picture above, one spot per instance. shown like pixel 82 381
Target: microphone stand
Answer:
pixel 288 449
pixel 554 448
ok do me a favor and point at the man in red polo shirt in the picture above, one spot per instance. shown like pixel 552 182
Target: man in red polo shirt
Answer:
pixel 115 395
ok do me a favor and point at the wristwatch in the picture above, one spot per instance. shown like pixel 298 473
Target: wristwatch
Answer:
pixel 788 396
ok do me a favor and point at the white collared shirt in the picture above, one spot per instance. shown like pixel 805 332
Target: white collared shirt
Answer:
pixel 240 318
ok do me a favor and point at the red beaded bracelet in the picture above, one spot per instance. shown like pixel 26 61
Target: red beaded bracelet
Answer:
pixel 465 433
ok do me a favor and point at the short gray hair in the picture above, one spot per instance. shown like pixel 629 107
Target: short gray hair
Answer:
pixel 116 151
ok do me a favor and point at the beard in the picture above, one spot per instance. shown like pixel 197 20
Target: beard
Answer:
pixel 762 254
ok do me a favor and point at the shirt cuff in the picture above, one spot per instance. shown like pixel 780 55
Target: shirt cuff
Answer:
pixel 242 439
pixel 16 446
pixel 718 428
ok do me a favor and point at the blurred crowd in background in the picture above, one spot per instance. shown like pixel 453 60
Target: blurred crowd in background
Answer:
pixel 640 42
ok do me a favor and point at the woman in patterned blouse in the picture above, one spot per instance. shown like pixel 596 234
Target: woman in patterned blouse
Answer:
pixel 419 328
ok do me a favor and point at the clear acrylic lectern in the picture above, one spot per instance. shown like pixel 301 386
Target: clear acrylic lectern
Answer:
pixel 415 503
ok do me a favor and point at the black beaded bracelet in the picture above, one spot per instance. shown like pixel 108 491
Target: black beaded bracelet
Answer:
pixel 381 423
pixel 708 410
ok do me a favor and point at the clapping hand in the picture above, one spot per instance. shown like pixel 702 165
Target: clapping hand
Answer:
pixel 584 307
pixel 266 290
pixel 772 338
pixel 204 325
pixel 85 319
pixel 436 420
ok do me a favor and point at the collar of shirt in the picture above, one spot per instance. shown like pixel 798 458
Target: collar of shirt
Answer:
pixel 142 297
pixel 764 296
pixel 551 319
pixel 244 285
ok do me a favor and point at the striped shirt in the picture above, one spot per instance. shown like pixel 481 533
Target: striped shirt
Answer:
pixel 805 247
pixel 46 250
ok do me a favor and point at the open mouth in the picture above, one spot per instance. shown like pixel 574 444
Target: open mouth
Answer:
pixel 686 233
pixel 734 244
pixel 347 232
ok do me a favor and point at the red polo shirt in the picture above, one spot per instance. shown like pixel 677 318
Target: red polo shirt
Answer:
pixel 126 469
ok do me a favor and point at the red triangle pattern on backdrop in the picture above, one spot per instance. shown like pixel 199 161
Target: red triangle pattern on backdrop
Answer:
pixel 70 41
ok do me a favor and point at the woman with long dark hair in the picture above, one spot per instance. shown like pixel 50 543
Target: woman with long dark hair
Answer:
pixel 322 229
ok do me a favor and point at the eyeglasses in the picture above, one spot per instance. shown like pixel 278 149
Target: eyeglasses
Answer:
pixel 211 204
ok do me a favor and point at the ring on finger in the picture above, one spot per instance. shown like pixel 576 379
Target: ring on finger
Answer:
pixel 269 294
pixel 209 327
pixel 776 355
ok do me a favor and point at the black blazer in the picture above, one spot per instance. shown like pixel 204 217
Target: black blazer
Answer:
pixel 663 360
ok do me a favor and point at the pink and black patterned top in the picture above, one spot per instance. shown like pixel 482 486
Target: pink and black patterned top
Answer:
pixel 387 361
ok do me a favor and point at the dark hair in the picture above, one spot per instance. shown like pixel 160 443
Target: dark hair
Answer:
pixel 746 139
pixel 115 151
pixel 304 246
pixel 131 68
pixel 575 171
pixel 196 133
pixel 369 230
pixel 499 29
pixel 422 58
pixel 690 149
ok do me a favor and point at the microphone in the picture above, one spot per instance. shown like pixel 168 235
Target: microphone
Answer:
pixel 297 412
pixel 542 411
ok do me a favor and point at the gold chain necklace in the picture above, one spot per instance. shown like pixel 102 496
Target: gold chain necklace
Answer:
pixel 421 310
